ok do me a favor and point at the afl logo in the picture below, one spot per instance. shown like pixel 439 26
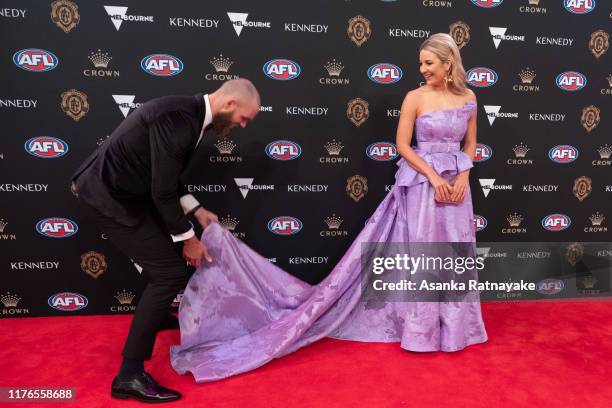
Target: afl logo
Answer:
pixel 284 225
pixel 563 154
pixel 57 227
pixel 579 6
pixel 382 151
pixel 385 73
pixel 480 222
pixel 481 77
pixel 282 69
pixel 487 3
pixel 161 65
pixel 283 150
pixel 483 153
pixel 35 60
pixel 46 147
pixel 68 301
pixel 550 286
pixel 571 81
pixel 556 222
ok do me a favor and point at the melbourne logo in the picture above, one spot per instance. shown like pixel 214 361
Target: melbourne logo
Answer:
pixel 282 69
pixel 480 222
pixel 284 225
pixel 239 21
pixel 563 154
pixel 283 150
pixel 385 73
pixel 481 77
pixel 161 65
pixel 57 227
pixel 35 60
pixel 246 184
pixel 68 301
pixel 487 3
pixel 382 151
pixel 489 184
pixel 46 147
pixel 119 14
pixel 493 112
pixel 483 153
pixel 550 286
pixel 579 6
pixel 556 222
pixel 499 34
pixel 125 103
pixel 571 81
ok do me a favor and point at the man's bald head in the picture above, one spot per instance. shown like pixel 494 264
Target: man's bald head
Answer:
pixel 235 103
pixel 240 89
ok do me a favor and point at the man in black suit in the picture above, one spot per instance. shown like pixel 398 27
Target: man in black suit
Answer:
pixel 130 186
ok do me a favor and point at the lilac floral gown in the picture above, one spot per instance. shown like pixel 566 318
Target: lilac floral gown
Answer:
pixel 242 311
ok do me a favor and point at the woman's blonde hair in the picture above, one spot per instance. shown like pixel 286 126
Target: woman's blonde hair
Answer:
pixel 445 48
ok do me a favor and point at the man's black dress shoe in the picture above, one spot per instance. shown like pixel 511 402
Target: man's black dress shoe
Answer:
pixel 143 387
pixel 170 323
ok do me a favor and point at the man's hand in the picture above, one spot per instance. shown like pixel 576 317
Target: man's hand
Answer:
pixel 205 217
pixel 194 251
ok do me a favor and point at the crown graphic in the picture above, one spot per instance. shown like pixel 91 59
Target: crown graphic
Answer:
pixel 9 300
pixel 221 63
pixel 605 151
pixel 333 148
pixel 125 297
pixel 534 2
pixel 334 68
pixel 333 222
pixel 609 78
pixel 515 219
pixel 100 59
pixel 527 76
pixel 229 222
pixel 589 281
pixel 3 225
pixel 225 146
pixel 520 150
pixel 597 219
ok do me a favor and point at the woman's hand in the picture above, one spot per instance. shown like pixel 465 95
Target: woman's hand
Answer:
pixel 205 217
pixel 460 185
pixel 442 188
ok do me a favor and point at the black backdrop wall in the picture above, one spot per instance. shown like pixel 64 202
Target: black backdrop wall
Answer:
pixel 320 155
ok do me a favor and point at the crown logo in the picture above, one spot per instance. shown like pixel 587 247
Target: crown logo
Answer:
pixel 221 63
pixel 589 282
pixel 229 222
pixel 605 151
pixel 334 68
pixel 534 2
pixel 520 150
pixel 333 222
pixel 515 219
pixel 9 300
pixel 125 297
pixel 333 148
pixel 100 59
pixel 3 225
pixel 225 146
pixel 597 219
pixel 527 76
pixel 609 78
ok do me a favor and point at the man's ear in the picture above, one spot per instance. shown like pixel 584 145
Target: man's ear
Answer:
pixel 229 105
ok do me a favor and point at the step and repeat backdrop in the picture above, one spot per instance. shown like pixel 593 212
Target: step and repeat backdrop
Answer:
pixel 300 181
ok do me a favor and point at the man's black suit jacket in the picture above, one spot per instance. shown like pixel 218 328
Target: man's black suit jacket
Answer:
pixel 137 168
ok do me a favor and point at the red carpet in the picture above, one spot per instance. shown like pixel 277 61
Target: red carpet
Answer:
pixel 540 354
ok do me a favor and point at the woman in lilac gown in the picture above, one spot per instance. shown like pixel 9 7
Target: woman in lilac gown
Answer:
pixel 241 311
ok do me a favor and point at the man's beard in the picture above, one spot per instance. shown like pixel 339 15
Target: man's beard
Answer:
pixel 222 123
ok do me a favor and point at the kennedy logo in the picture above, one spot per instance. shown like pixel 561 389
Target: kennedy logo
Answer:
pixel 579 6
pixel 382 151
pixel 556 222
pixel 285 225
pixel 119 14
pixel 493 112
pixel 481 77
pixel 563 154
pixel 125 103
pixel 161 65
pixel 46 147
pixel 282 69
pixel 384 73
pixel 283 150
pixel 57 227
pixel 239 21
pixel 487 3
pixel 480 222
pixel 246 184
pixel 489 184
pixel 499 34
pixel 571 81
pixel 483 153
pixel 68 301
pixel 35 60
pixel 65 14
